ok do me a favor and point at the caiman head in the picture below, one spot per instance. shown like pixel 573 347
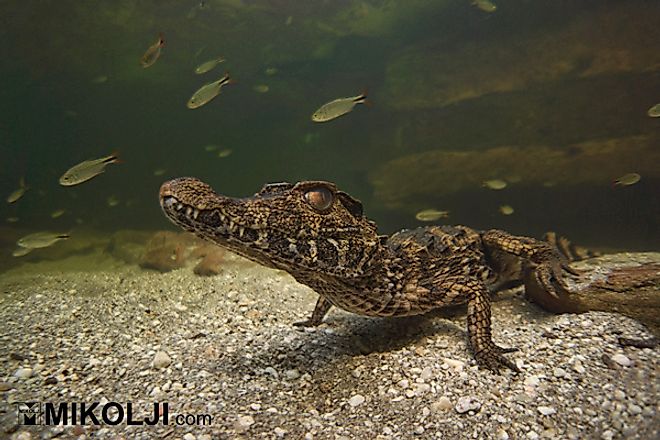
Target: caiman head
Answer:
pixel 307 228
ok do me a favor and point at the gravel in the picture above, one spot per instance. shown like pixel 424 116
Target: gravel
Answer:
pixel 225 346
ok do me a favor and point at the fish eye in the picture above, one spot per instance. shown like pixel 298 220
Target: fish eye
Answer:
pixel 319 198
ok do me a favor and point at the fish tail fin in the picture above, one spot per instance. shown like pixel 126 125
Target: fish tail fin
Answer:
pixel 114 158
pixel 362 99
pixel 228 79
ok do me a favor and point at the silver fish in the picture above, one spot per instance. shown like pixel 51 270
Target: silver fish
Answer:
pixel 86 170
pixel 654 112
pixel 338 107
pixel 40 240
pixel 429 215
pixel 153 52
pixel 485 5
pixel 628 179
pixel 21 251
pixel 208 65
pixel 18 193
pixel 495 184
pixel 207 92
pixel 506 209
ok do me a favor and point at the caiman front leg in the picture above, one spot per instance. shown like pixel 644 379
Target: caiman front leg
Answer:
pixel 486 352
pixel 320 310
pixel 543 265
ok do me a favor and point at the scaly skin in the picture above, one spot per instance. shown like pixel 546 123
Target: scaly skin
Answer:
pixel 319 235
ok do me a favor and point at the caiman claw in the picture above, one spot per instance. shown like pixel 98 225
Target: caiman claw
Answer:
pixel 544 281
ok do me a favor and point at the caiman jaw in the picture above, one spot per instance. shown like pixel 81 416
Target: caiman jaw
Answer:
pixel 287 226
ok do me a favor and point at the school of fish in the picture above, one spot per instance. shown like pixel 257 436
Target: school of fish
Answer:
pixel 331 110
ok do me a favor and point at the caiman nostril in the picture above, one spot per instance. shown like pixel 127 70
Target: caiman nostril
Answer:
pixel 165 189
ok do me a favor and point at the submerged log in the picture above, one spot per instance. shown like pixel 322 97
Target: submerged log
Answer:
pixel 626 283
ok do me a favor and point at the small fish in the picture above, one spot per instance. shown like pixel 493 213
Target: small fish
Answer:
pixel 211 147
pixel 207 92
pixel 21 251
pixel 270 71
pixel 429 215
pixel 152 54
pixel 208 65
pixel 288 20
pixel 86 170
pixel 495 184
pixel 224 153
pixel 112 201
pixel 40 240
pixel 57 213
pixel 12 219
pixel 261 88
pixel 627 179
pixel 485 5
pixel 159 171
pixel 337 108
pixel 654 111
pixel 100 79
pixel 506 210
pixel 18 193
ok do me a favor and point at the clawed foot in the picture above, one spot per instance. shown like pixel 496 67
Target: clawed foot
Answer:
pixel 307 323
pixel 491 357
pixel 544 282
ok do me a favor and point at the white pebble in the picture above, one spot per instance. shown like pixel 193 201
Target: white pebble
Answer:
pixel 619 395
pixel 607 435
pixel 443 404
pixel 189 436
pixel 532 435
pixel 356 400
pixel 532 381
pixel 622 360
pixel 466 404
pixel 292 374
pixel 422 388
pixel 427 373
pixel 559 372
pixel 502 434
pixel 634 409
pixel 243 423
pixel 279 431
pixel 161 360
pixel 546 410
pixel 455 364
pixel 23 373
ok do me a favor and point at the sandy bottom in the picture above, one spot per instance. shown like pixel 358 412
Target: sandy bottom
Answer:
pixel 224 347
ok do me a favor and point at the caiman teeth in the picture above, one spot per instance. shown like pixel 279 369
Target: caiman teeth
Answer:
pixel 241 230
pixel 179 206
pixel 195 213
pixel 188 211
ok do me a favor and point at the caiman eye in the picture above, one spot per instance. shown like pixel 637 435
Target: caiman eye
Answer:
pixel 319 198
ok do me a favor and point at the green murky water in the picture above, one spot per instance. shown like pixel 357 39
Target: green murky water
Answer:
pixel 549 96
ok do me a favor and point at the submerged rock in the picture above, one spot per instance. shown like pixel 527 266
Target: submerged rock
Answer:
pixel 436 173
pixel 612 40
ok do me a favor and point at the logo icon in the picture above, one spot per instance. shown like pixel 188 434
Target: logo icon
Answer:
pixel 29 413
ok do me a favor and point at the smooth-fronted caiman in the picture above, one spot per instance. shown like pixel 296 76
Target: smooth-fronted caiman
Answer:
pixel 320 236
